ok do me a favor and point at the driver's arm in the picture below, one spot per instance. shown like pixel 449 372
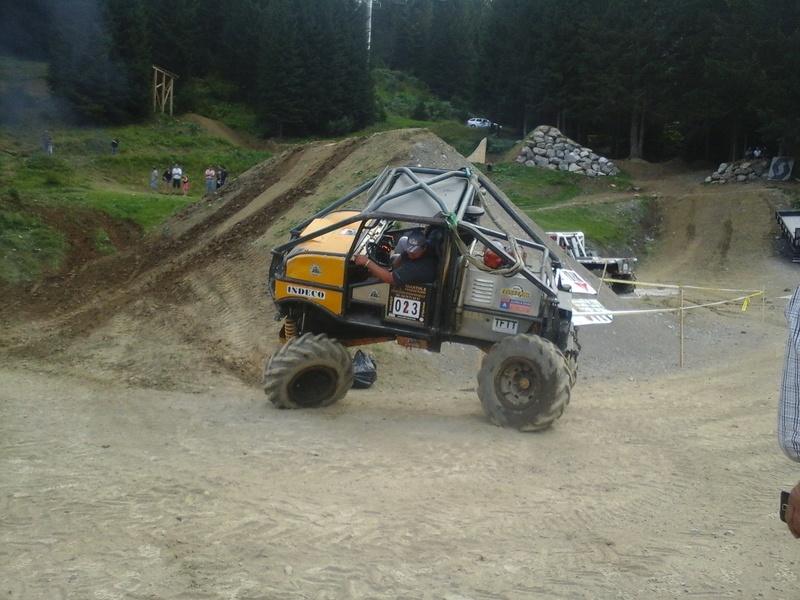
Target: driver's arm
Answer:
pixel 384 275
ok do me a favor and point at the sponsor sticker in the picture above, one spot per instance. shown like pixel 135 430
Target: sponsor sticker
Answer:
pixel 296 290
pixel 579 284
pixel 588 311
pixel 516 291
pixel 515 305
pixel 508 326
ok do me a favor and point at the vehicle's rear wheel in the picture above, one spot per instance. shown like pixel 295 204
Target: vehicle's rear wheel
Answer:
pixel 309 371
pixel 524 382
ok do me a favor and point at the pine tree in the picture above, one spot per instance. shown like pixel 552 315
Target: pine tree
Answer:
pixel 313 75
pixel 130 51
pixel 89 68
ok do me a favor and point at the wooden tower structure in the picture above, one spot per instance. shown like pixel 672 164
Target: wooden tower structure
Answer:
pixel 163 89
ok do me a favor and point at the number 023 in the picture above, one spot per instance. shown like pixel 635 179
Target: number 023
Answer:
pixel 404 307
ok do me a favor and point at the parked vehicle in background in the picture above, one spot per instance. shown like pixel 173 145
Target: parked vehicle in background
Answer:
pixel 481 122
pixel 621 269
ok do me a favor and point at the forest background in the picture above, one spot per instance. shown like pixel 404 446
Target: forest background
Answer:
pixel 646 79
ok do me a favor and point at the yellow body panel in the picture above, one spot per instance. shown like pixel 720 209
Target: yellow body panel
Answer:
pixel 316 269
pixel 321 260
pixel 329 299
pixel 338 241
pixel 319 264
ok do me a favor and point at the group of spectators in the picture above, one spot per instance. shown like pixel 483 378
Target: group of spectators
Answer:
pixel 176 179
pixel 216 177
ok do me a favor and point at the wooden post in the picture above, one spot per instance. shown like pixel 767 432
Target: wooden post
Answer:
pixel 681 312
pixel 602 278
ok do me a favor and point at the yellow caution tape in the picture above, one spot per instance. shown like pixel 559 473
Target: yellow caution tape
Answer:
pixel 745 300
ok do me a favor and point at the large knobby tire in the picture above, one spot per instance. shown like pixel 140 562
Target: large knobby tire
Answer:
pixel 309 371
pixel 572 365
pixel 624 288
pixel 524 382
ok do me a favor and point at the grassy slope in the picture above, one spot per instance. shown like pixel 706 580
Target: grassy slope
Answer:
pixel 83 174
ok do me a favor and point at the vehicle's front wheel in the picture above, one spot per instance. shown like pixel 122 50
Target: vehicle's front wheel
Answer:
pixel 524 382
pixel 309 371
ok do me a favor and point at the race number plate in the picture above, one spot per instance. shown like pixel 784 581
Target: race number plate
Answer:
pixel 406 308
pixel 504 326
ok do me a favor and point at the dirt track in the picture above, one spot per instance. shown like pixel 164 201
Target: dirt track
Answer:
pixel 140 460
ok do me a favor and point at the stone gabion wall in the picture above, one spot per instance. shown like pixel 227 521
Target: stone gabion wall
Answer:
pixel 740 171
pixel 548 148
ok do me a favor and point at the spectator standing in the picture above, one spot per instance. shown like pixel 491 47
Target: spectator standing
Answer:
pixel 154 179
pixel 211 180
pixel 222 176
pixel 789 407
pixel 177 176
pixel 115 145
pixel 185 185
pixel 47 142
pixel 167 178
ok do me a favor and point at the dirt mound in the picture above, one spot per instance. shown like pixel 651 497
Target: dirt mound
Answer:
pixel 643 170
pixel 234 137
pixel 709 235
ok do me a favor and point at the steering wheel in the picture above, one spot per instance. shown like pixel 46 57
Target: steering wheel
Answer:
pixel 380 253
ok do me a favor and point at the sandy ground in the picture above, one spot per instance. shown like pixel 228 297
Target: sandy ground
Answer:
pixel 140 459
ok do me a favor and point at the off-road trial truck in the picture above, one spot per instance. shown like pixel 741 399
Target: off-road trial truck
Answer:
pixel 499 288
pixel 618 269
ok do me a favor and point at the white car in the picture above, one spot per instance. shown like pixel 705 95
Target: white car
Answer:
pixel 479 122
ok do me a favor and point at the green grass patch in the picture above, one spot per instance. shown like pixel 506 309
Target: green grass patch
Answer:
pixel 147 210
pixel 548 197
pixel 606 224
pixel 42 172
pixel 531 188
pixel 103 243
pixel 793 192
pixel 28 248
pixel 83 155
pixel 83 172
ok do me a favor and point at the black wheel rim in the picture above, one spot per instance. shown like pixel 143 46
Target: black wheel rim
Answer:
pixel 313 386
pixel 518 384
